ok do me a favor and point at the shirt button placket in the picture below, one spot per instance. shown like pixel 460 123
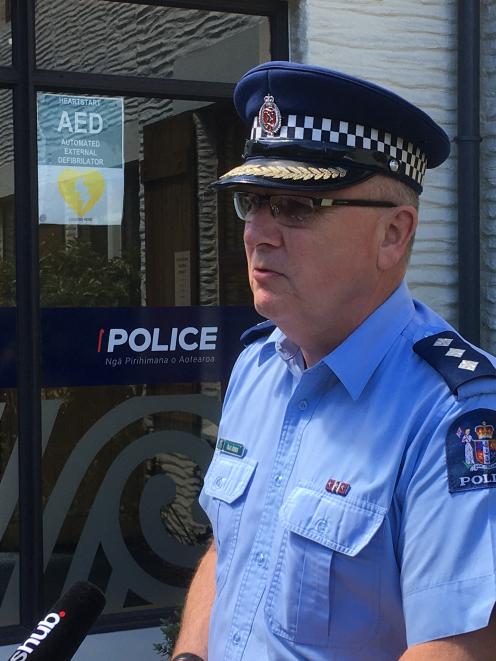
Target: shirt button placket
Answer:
pixel 255 573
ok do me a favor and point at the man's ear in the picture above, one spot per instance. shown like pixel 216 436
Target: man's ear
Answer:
pixel 400 224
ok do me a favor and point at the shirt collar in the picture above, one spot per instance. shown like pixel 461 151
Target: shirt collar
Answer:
pixel 355 360
pixel 277 342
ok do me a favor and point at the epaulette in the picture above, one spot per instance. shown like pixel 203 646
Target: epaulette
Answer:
pixel 455 359
pixel 253 333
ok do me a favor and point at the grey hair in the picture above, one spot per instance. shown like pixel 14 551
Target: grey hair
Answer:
pixel 399 193
pixel 395 191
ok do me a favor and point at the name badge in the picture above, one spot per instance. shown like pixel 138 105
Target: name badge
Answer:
pixel 230 447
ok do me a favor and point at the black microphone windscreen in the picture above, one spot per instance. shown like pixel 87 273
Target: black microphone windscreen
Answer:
pixel 59 634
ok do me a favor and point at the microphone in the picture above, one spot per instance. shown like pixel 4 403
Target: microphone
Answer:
pixel 59 634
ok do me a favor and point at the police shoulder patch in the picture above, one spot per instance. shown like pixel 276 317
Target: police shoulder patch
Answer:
pixel 455 359
pixel 255 332
pixel 471 451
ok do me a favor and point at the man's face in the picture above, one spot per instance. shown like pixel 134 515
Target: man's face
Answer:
pixel 318 274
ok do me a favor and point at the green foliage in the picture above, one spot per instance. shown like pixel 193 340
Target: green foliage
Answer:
pixel 170 629
pixel 76 275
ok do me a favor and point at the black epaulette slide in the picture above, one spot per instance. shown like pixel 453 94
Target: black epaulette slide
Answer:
pixel 255 332
pixel 455 359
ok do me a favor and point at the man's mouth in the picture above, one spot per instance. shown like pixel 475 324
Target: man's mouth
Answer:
pixel 262 273
pixel 265 269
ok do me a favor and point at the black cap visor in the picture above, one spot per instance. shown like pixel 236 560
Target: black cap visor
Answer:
pixel 291 175
pixel 307 166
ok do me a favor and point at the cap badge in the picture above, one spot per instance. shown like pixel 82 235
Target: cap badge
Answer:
pixel 269 116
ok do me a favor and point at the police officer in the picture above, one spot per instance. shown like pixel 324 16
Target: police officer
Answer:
pixel 352 521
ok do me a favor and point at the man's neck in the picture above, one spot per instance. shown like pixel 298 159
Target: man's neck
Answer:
pixel 315 342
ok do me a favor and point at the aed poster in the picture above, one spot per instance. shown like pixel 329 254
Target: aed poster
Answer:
pixel 80 159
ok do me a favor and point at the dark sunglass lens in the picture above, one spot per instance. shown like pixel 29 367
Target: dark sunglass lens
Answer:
pixel 293 209
pixel 246 204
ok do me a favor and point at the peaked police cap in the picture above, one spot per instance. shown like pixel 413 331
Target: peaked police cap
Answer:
pixel 316 129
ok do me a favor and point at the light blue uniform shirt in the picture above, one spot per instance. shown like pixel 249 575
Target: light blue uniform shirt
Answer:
pixel 309 573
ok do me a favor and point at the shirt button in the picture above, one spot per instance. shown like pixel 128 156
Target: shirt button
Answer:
pixel 236 638
pixel 278 480
pixel 321 525
pixel 260 559
pixel 302 405
pixel 219 482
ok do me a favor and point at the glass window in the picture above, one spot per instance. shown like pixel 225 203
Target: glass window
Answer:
pixel 9 489
pixel 138 339
pixel 124 38
pixel 5 33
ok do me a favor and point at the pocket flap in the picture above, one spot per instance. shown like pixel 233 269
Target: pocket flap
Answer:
pixel 342 524
pixel 228 477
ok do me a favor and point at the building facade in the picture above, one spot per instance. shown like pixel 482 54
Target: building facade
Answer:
pixel 122 285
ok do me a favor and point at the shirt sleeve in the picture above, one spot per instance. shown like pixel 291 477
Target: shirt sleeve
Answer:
pixel 447 534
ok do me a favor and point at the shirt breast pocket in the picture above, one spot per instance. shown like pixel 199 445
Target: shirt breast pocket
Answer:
pixel 223 498
pixel 326 583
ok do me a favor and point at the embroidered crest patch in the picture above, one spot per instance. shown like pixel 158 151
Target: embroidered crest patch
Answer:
pixel 471 451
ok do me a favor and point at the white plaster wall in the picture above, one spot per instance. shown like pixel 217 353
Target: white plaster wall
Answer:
pixel 488 173
pixel 409 47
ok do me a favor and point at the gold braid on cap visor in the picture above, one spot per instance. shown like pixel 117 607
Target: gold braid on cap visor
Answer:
pixel 292 172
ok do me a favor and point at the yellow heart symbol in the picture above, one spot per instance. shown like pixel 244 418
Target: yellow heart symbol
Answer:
pixel 81 190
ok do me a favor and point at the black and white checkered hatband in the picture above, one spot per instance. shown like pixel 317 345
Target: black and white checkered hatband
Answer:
pixel 405 158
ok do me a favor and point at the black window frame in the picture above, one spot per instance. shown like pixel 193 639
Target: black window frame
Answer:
pixel 24 79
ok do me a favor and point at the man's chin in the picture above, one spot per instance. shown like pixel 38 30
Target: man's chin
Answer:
pixel 269 306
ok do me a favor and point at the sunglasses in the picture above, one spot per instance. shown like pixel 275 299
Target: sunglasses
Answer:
pixel 294 210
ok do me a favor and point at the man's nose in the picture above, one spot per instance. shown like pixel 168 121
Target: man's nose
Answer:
pixel 262 227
